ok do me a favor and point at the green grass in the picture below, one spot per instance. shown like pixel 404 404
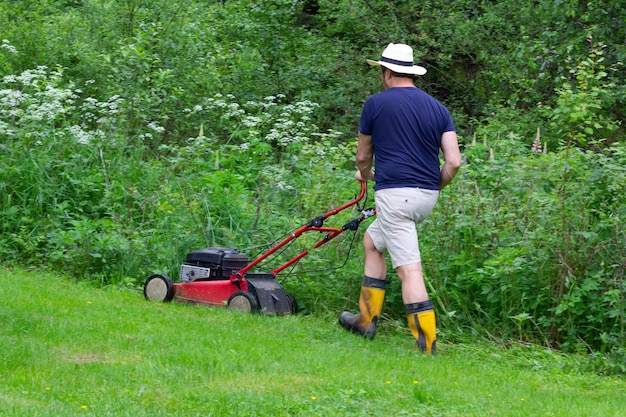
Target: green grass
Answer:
pixel 68 349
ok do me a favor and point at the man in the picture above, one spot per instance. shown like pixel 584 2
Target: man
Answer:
pixel 402 129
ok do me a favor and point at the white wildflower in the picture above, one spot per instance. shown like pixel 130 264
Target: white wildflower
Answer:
pixel 29 77
pixel 11 98
pixel 81 137
pixel 252 121
pixel 154 126
pixel 7 45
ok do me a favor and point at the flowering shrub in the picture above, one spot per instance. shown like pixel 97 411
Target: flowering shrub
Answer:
pixel 36 105
pixel 262 127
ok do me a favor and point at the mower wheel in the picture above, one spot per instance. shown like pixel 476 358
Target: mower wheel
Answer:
pixel 158 288
pixel 293 305
pixel 243 301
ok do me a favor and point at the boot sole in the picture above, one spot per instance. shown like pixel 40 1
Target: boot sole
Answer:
pixel 370 333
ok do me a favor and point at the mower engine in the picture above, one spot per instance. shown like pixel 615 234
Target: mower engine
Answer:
pixel 211 264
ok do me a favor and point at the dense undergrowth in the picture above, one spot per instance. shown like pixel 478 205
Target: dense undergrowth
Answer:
pixel 98 181
pixel 525 244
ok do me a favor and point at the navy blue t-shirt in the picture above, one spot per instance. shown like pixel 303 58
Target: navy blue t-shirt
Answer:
pixel 406 125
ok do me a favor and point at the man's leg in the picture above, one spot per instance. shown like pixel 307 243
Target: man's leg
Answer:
pixel 419 309
pixel 372 293
pixel 375 264
pixel 412 279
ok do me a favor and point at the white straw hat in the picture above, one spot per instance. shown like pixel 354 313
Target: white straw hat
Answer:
pixel 398 57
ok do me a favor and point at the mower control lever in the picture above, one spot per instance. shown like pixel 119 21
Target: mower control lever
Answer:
pixel 317 222
pixel 354 224
pixel 367 213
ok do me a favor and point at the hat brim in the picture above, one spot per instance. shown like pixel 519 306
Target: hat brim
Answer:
pixel 400 69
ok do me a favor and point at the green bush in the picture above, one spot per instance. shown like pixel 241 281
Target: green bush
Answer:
pixel 528 246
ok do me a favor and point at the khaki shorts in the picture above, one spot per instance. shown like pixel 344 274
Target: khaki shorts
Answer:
pixel 398 210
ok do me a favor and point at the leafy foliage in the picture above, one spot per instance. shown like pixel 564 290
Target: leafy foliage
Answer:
pixel 134 131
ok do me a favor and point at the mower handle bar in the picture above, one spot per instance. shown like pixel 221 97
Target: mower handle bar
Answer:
pixel 317 224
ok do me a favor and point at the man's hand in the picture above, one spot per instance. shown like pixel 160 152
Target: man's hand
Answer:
pixel 359 177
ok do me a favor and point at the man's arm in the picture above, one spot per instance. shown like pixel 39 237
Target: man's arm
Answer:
pixel 451 156
pixel 365 158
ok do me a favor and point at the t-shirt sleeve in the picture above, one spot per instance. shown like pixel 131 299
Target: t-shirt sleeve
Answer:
pixel 449 125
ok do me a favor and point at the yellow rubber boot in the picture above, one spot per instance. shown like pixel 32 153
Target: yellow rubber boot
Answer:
pixel 423 325
pixel 370 307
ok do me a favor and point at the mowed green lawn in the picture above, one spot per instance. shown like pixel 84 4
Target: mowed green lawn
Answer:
pixel 68 349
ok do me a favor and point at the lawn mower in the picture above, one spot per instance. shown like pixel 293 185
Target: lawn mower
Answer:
pixel 222 276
